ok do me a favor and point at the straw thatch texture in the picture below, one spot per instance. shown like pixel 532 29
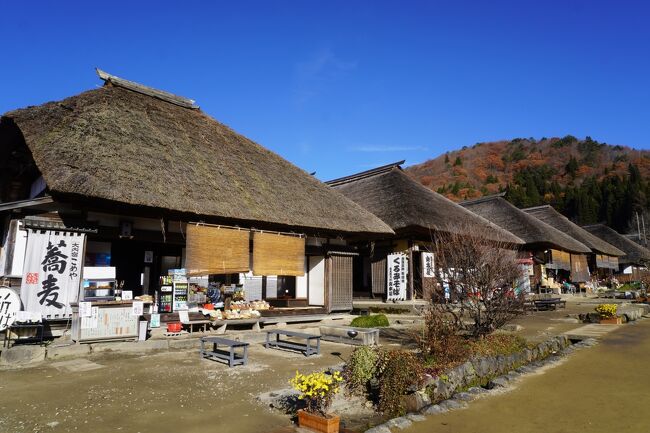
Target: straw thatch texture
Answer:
pixel 536 233
pixel 276 254
pixel 552 217
pixel 635 254
pixel 406 205
pixel 115 144
pixel 216 250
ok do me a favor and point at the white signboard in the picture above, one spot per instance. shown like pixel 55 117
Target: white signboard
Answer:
pixel 397 272
pixel 51 274
pixel 155 321
pixel 127 295
pixel 9 307
pixel 85 309
pixel 138 308
pixel 428 270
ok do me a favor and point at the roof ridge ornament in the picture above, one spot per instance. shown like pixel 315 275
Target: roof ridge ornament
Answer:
pixel 145 90
pixel 364 174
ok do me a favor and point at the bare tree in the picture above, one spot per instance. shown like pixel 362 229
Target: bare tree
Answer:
pixel 478 279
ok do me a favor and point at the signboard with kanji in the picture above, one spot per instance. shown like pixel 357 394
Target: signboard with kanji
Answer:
pixel 396 276
pixel 9 307
pixel 52 271
pixel 428 270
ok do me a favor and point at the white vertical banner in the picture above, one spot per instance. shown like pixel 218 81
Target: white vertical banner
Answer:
pixel 396 276
pixel 428 269
pixel 52 272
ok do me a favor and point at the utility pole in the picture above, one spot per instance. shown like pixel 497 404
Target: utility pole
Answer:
pixel 645 238
pixel 638 226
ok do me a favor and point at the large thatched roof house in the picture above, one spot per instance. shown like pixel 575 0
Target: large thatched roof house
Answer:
pixel 635 254
pixel 534 232
pixel 603 255
pixel 550 248
pixel 410 208
pixel 136 168
pixel 416 214
pixel 123 145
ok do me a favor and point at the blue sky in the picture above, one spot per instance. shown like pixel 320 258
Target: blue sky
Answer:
pixel 340 86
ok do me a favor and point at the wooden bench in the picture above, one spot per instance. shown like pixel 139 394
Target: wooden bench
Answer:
pixel 229 355
pixel 306 347
pixel 546 304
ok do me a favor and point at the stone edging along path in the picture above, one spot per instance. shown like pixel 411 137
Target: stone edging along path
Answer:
pixel 479 376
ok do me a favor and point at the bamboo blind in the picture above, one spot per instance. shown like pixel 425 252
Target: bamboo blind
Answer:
pixel 276 254
pixel 579 268
pixel 216 250
pixel 606 262
pixel 561 260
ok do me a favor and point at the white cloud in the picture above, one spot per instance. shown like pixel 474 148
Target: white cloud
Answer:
pixel 378 148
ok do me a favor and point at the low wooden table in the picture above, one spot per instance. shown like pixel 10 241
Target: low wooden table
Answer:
pixel 229 355
pixel 40 330
pixel 306 347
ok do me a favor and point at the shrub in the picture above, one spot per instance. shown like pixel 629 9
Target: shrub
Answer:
pixel 439 342
pixel 497 344
pixel 607 310
pixel 361 368
pixel 372 321
pixel 398 372
pixel 317 389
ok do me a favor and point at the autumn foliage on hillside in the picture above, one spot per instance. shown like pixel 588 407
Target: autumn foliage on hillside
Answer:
pixel 586 180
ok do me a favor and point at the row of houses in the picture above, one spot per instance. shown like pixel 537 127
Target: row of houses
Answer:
pixel 129 184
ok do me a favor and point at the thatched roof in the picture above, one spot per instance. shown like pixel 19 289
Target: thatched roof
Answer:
pixel 552 217
pixel 536 233
pixel 408 207
pixel 634 253
pixel 125 146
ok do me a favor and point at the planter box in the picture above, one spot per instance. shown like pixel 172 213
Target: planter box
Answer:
pixel 318 423
pixel 339 334
pixel 611 321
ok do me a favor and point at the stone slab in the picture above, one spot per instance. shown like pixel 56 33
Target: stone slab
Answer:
pixel 68 351
pixel 17 355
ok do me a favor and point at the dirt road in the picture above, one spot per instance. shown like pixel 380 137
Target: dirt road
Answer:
pixel 600 389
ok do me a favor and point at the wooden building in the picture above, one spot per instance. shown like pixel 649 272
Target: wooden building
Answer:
pixel 602 260
pixel 132 167
pixel 553 255
pixel 416 214
pixel 633 265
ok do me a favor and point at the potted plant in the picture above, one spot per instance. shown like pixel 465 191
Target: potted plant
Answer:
pixel 317 391
pixel 608 314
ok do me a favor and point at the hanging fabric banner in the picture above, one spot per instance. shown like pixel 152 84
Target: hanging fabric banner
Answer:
pixel 277 254
pixel 397 273
pixel 216 250
pixel 428 270
pixel 51 273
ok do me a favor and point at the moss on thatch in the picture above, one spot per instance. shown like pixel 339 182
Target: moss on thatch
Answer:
pixel 122 146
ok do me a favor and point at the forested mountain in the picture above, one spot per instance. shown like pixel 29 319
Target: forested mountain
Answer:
pixel 586 180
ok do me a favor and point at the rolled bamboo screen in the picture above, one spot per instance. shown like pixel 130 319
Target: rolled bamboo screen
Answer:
pixel 579 268
pixel 561 259
pixel 216 250
pixel 613 262
pixel 276 254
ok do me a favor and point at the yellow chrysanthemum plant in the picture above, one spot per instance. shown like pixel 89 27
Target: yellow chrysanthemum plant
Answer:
pixel 317 390
pixel 607 311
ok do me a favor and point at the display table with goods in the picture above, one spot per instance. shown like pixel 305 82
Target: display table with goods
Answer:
pixel 107 320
